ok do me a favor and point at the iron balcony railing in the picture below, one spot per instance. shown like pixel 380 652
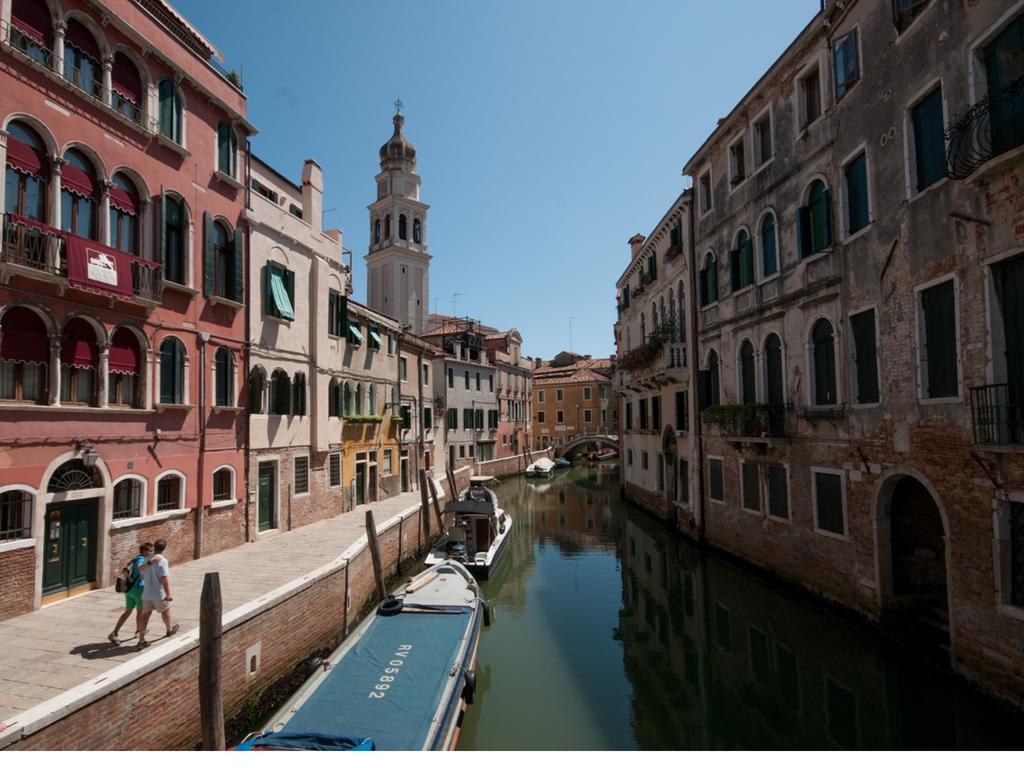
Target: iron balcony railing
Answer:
pixel 998 414
pixel 28 46
pixel 988 129
pixel 45 251
pixel 753 420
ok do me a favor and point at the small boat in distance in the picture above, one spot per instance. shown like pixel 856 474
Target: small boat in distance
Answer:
pixel 541 468
pixel 603 455
pixel 562 463
pixel 400 681
pixel 478 533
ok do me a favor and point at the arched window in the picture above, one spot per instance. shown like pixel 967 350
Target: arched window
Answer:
pixel 359 400
pixel 170 492
pixel 124 365
pixel 714 387
pixel 173 242
pixel 769 257
pixel 128 499
pixel 224 484
pixel 387 227
pixel 170 110
pixel 25 176
pixel 773 369
pixel 32 30
pixel 643 328
pixel 79 358
pixel 24 356
pixel 126 87
pixel 223 245
pixel 280 393
pixel 124 215
pixel 741 261
pixel 82 59
pixel 257 386
pixel 227 149
pixel 348 399
pixel 680 313
pixel 403 228
pixel 372 410
pixel 79 195
pixel 654 316
pixel 417 231
pixel 172 371
pixel 823 351
pixel 299 395
pixel 814 221
pixel 748 375
pixel 224 377
pixel 376 230
pixel 15 515
pixel 709 280
pixel 334 401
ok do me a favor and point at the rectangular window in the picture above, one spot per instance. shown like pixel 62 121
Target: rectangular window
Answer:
pixel 809 96
pixel 1017 554
pixel 643 413
pixel 683 488
pixel 559 417
pixel 865 356
pixel 467 379
pixel 705 192
pixel 453 418
pixel 451 379
pixel 716 479
pixel 587 416
pixel 586 393
pixel 778 491
pixel 478 381
pixel 558 395
pixel 540 417
pixel 723 627
pixel 127 503
pixel 905 11
pixel 490 382
pixel 479 418
pixel 406 413
pixel 855 185
pixel 829 512
pixel 337 313
pixel 763 140
pixel 426 374
pixel 629 457
pixel 656 413
pixel 403 369
pixel 334 470
pixel 540 395
pixel 847 63
pixel 391 344
pixel 643 460
pixel 683 410
pixel 629 417
pixel 279 292
pixel 939 351
pixel 428 418
pixel 375 341
pixel 751 486
pixel 387 463
pixel 929 146
pixel 467 418
pixel 301 475
pixel 603 392
pixel 737 163
pixel 604 416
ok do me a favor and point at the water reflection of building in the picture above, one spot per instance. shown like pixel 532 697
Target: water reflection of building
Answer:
pixel 720 658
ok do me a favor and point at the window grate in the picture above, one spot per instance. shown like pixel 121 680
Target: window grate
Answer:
pixel 301 474
pixel 15 515
pixel 334 462
pixel 127 499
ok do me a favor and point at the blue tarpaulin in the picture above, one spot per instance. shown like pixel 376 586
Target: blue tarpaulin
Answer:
pixel 388 687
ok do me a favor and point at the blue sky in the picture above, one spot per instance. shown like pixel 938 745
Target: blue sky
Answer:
pixel 547 132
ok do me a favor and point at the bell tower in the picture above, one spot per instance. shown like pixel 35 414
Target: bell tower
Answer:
pixel 397 264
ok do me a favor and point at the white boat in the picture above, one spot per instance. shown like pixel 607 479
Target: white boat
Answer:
pixel 541 468
pixel 478 533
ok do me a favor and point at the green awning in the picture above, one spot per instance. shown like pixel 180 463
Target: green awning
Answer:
pixel 280 294
pixel 374 335
pixel 354 333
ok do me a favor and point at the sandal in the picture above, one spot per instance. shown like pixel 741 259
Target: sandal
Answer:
pixel 141 645
pixel 172 631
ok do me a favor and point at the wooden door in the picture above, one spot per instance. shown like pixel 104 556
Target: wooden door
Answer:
pixel 70 548
pixel 265 496
pixel 360 482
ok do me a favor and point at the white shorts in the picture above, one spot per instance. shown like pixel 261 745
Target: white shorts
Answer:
pixel 154 605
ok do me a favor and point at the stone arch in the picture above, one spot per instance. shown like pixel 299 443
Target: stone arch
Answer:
pixel 102 337
pixel 44 314
pixel 36 125
pixel 94 158
pixel 94 29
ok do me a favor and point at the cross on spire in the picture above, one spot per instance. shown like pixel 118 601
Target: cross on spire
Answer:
pixel 398 106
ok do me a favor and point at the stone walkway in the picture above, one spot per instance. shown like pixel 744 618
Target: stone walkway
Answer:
pixel 47 652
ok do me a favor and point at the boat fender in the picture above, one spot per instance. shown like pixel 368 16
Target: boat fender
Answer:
pixel 468 686
pixel 487 613
pixel 390 606
pixel 501 528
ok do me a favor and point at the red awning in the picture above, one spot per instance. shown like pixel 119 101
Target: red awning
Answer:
pixel 26 158
pixel 94 265
pixel 77 181
pixel 33 18
pixel 79 346
pixel 124 200
pixel 82 39
pixel 125 79
pixel 124 352
pixel 23 337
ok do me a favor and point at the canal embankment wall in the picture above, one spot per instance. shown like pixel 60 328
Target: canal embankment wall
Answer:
pixel 152 702
pixel 511 465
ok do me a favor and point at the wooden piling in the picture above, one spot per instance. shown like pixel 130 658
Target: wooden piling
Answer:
pixel 378 566
pixel 424 506
pixel 211 700
pixel 437 506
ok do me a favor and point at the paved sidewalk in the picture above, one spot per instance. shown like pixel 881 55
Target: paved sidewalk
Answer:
pixel 52 650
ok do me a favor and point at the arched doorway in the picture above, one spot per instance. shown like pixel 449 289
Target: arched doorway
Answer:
pixel 913 556
pixel 71 530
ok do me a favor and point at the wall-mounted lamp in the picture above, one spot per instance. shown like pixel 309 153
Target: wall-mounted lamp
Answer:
pixel 89 455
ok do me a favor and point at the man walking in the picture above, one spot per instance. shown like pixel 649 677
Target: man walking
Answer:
pixel 133 597
pixel 156 592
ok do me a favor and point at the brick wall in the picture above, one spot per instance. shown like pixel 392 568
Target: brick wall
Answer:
pixel 178 532
pixel 511 465
pixel 18 575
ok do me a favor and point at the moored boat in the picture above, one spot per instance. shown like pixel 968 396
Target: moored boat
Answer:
pixel 400 681
pixel 562 463
pixel 478 534
pixel 603 455
pixel 541 468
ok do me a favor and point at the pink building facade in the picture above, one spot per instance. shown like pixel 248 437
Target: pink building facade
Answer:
pixel 122 294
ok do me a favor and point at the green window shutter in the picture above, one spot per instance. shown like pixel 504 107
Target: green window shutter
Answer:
pixel 268 299
pixel 342 313
pixel 929 140
pixel 826 197
pixel 166 373
pixel 804 248
pixel 161 235
pixel 209 263
pixel 713 281
pixel 717 484
pixel 938 304
pixel 829 494
pixel 167 108
pixel 748 375
pixel 865 356
pixel 778 491
pixel 769 259
pixel 734 269
pixel 856 174
pixel 747 263
pixel 289 285
pixel 824 365
pixel 238 268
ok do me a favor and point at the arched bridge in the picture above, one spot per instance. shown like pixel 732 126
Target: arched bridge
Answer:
pixel 602 440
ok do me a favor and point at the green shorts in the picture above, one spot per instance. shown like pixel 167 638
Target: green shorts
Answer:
pixel 133 598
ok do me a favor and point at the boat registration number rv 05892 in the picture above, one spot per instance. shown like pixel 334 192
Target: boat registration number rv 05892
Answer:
pixel 393 668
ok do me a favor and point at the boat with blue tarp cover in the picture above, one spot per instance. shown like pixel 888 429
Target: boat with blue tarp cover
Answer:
pixel 400 681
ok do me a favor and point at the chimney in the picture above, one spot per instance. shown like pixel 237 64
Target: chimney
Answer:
pixel 635 243
pixel 313 195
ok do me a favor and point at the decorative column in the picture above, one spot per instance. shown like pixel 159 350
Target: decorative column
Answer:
pixel 104 213
pixel 102 373
pixel 59 30
pixel 108 68
pixel 56 162
pixel 3 164
pixel 145 377
pixel 53 396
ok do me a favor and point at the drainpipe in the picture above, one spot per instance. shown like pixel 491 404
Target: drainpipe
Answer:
pixel 422 439
pixel 696 451
pixel 246 346
pixel 197 547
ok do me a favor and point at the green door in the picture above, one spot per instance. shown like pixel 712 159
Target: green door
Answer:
pixel 70 548
pixel 360 482
pixel 265 496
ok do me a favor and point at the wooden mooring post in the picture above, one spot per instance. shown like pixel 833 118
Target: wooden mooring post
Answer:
pixel 437 505
pixel 424 507
pixel 211 700
pixel 378 566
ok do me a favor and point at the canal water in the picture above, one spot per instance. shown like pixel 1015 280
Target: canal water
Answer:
pixel 613 633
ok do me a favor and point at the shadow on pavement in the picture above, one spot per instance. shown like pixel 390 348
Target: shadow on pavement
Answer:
pixel 104 650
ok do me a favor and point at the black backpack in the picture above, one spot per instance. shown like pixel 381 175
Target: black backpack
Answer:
pixel 125 581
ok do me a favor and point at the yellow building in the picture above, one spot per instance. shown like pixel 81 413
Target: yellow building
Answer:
pixel 571 397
